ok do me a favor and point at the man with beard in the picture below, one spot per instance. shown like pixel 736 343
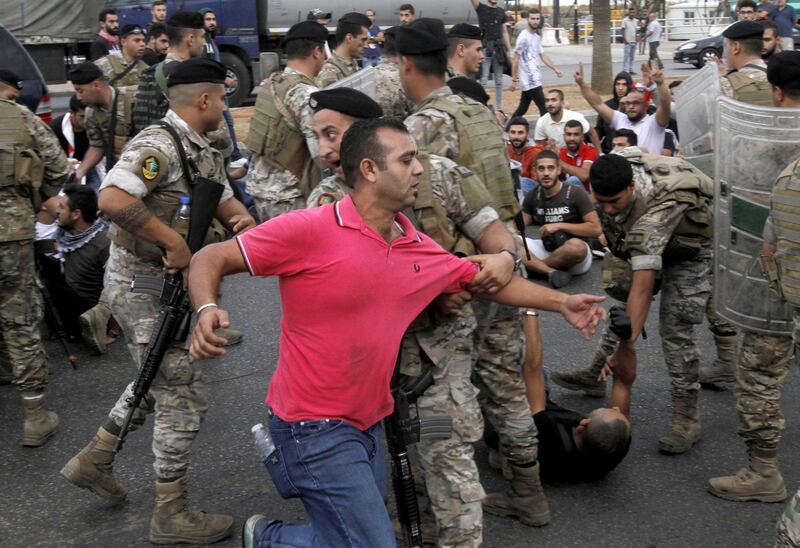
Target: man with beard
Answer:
pixel 622 85
pixel 464 51
pixel 771 44
pixel 157 44
pixel 518 131
pixel 527 53
pixel 352 32
pixel 117 67
pixel 566 217
pixel 576 157
pixel 550 126
pixel 649 128
pixel 107 40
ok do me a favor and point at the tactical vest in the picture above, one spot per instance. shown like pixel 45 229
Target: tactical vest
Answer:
pixel 118 68
pixel 21 172
pixel 332 60
pixel 481 149
pixel 747 90
pixel 275 134
pixel 151 102
pixel 785 217
pixel 121 132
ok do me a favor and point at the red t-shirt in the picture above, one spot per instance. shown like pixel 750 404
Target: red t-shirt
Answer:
pixel 347 298
pixel 527 157
pixel 586 153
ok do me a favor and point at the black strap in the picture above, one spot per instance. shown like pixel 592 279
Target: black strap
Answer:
pixel 112 123
pixel 751 65
pixel 187 170
pixel 125 72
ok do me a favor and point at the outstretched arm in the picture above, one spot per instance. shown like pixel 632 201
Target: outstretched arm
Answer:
pixel 592 97
pixel 532 365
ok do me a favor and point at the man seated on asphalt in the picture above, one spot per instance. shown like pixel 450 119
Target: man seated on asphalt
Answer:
pixel 70 128
pixel 340 341
pixel 83 243
pixel 566 218
pixel 576 157
pixel 550 127
pixel 649 128
pixel 573 447
pixel 519 149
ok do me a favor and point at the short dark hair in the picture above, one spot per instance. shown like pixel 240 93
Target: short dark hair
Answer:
pixel 629 134
pixel 345 27
pixel 84 198
pixel 430 64
pixel 389 47
pixel 557 92
pixel 155 30
pixel 407 7
pixel 606 442
pixel 610 174
pixel 104 13
pixel 361 141
pixel 452 44
pixel 533 11
pixel 518 121
pixel 547 155
pixel 177 34
pixel 300 49
pixel 745 4
pixel 158 3
pixel 74 104
pixel 752 45
pixel 769 24
pixel 573 123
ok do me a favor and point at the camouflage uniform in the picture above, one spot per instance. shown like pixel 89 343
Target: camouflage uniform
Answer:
pixel 98 118
pixel 330 189
pixel 150 167
pixel 21 307
pixel 453 73
pixel 756 71
pixel 115 64
pixel 334 69
pixel 390 95
pixel 499 334
pixel 444 343
pixel 276 191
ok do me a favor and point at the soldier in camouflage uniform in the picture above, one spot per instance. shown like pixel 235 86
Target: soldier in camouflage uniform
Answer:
pixel 140 196
pixel 764 360
pixel 108 116
pixel 389 93
pixel 658 224
pixel 464 50
pixel 281 136
pixel 32 166
pixel 465 131
pixel 352 32
pixel 124 68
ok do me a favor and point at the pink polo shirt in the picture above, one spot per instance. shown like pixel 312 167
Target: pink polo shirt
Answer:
pixel 347 298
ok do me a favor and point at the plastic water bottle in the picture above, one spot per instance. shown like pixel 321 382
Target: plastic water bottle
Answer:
pixel 180 222
pixel 263 441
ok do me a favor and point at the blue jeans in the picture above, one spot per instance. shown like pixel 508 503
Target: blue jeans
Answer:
pixel 493 63
pixel 628 55
pixel 573 180
pixel 339 473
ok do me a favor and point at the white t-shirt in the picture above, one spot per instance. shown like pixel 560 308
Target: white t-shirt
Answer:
pixel 529 49
pixel 655 28
pixel 629 29
pixel 546 128
pixel 649 133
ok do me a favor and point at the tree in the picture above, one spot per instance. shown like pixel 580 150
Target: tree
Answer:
pixel 601 47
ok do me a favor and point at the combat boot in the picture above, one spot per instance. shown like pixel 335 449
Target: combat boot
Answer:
pixel 499 462
pixel 761 480
pixel 685 429
pixel 173 522
pixel 723 370
pixel 92 468
pixel 582 380
pixel 525 500
pixel 40 423
pixel 94 325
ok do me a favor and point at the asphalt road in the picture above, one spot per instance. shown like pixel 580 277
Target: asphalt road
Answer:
pixel 650 500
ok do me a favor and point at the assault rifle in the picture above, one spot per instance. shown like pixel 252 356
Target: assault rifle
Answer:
pixel 519 221
pixel 176 309
pixel 402 430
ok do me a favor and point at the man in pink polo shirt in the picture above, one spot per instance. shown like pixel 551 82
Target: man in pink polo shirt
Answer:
pixel 345 308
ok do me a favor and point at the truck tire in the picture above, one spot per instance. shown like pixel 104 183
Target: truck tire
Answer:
pixel 237 69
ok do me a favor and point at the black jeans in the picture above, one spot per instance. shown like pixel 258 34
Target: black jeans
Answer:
pixel 537 96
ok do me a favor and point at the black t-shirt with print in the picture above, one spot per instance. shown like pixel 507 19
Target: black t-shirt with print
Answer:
pixel 491 20
pixel 570 205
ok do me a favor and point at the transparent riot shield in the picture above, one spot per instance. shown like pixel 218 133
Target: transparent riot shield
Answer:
pixel 364 80
pixel 695 106
pixel 753 145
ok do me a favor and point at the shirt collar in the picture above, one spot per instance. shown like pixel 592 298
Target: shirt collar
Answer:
pixel 347 216
pixel 180 124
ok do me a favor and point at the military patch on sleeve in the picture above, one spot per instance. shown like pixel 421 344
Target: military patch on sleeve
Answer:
pixel 151 167
pixel 464 172
pixel 149 164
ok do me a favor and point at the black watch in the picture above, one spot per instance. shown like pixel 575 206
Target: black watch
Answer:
pixel 517 258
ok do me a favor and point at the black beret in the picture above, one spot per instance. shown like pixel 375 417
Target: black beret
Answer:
pixel 470 88
pixel 10 78
pixel 129 29
pixel 85 73
pixel 307 30
pixel 421 36
pixel 317 13
pixel 347 101
pixel 744 29
pixel 783 70
pixel 186 20
pixel 357 18
pixel 465 30
pixel 199 70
